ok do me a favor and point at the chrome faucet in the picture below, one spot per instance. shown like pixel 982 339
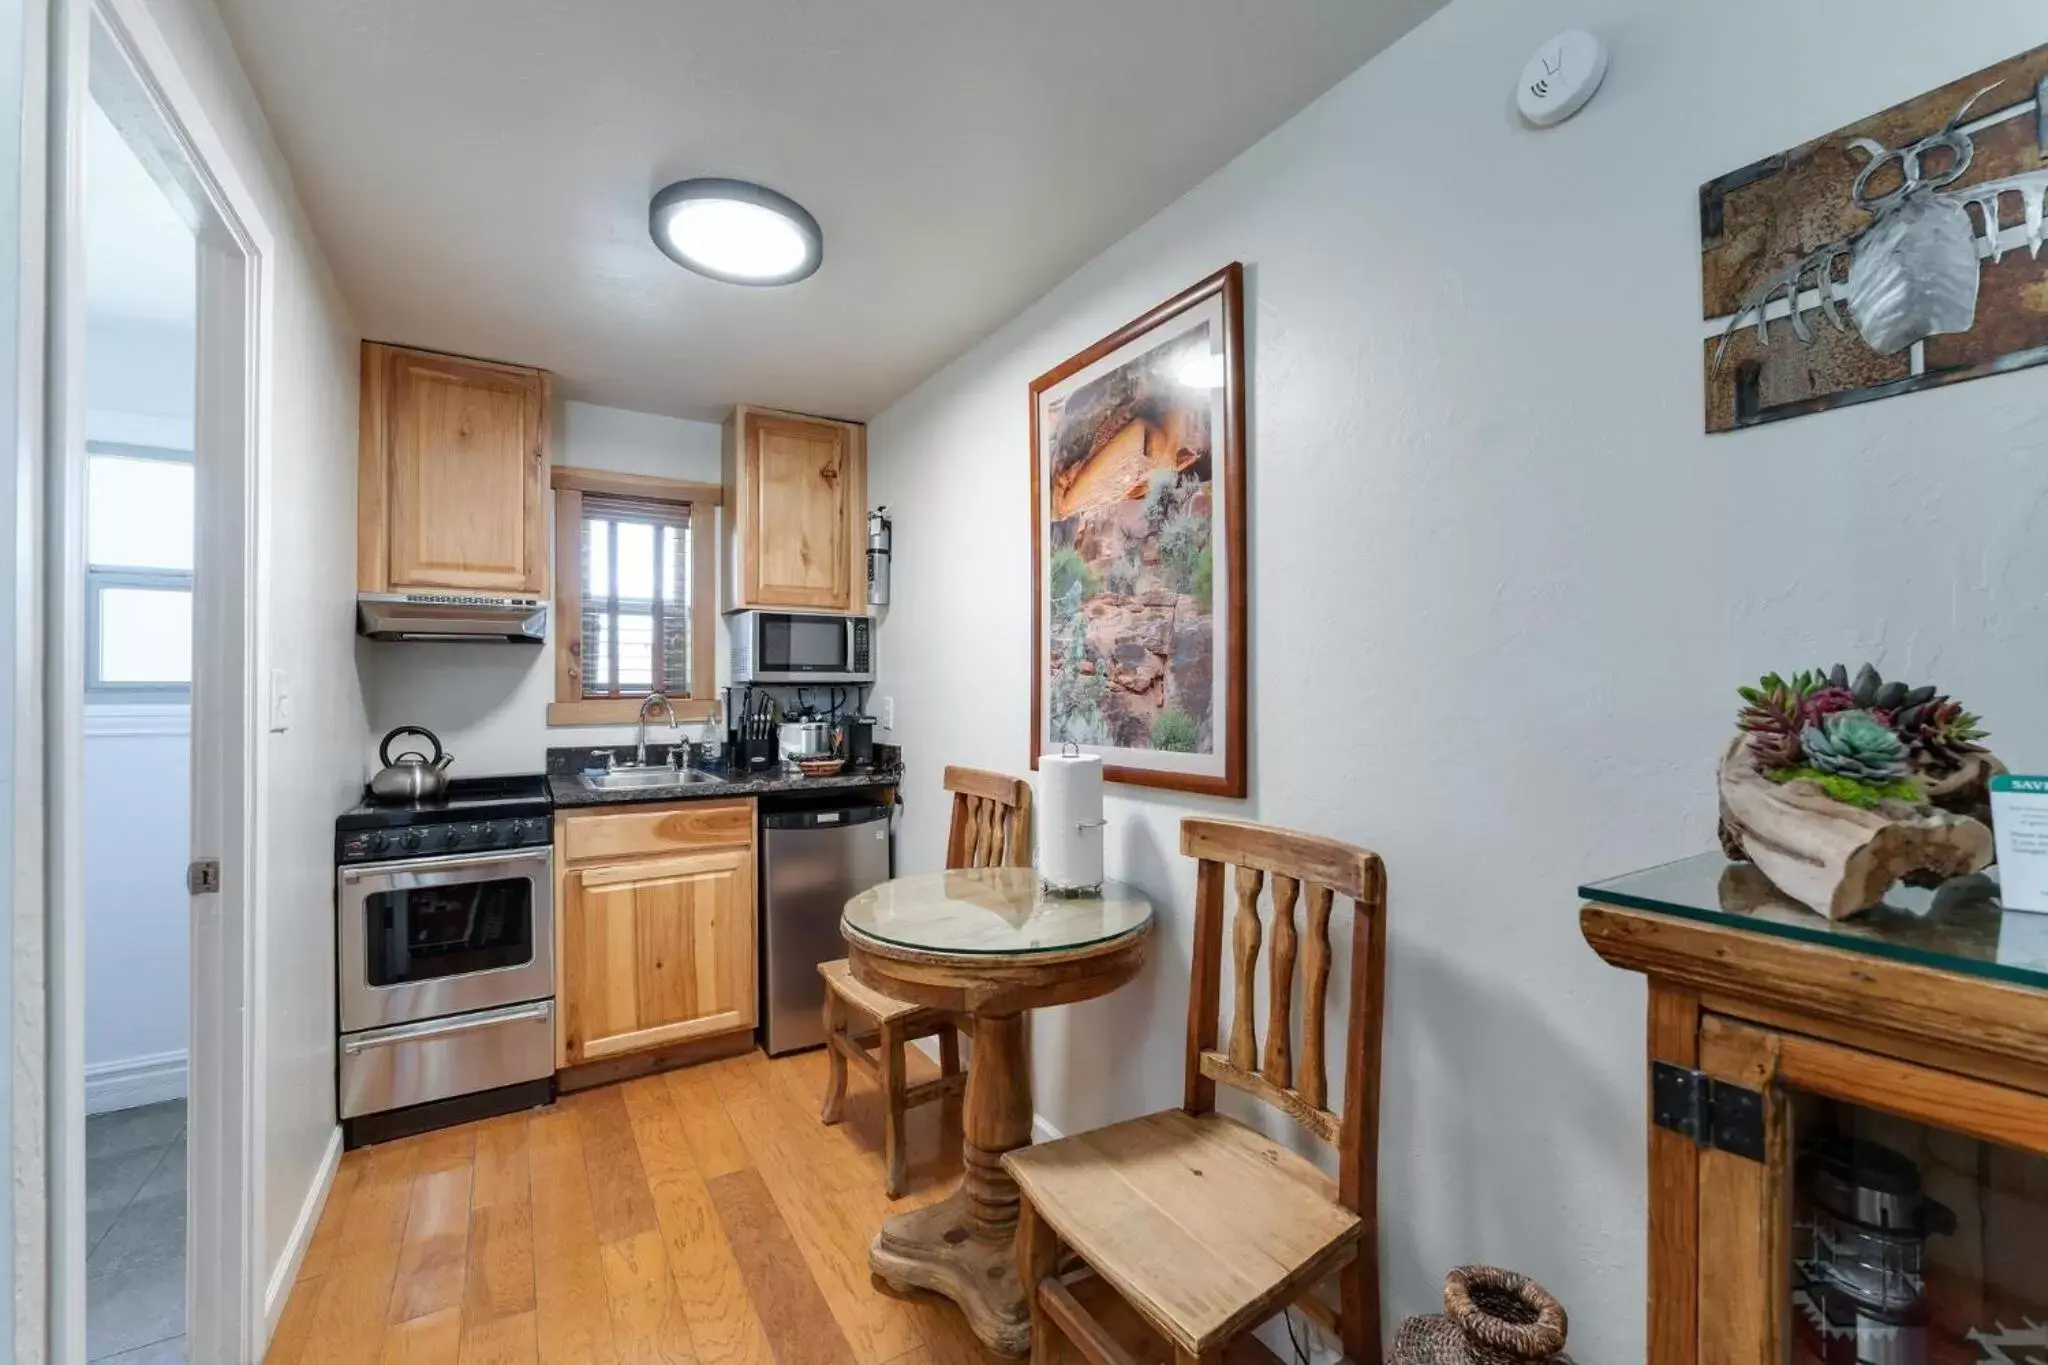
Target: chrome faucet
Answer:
pixel 654 700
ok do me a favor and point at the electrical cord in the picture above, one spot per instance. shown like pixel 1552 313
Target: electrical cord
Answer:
pixel 1300 1352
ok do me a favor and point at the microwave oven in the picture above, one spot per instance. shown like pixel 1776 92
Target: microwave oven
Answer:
pixel 780 647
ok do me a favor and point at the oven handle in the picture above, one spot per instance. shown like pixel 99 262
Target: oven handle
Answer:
pixel 438 1028
pixel 538 856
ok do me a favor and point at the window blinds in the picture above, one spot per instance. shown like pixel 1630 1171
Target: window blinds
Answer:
pixel 636 597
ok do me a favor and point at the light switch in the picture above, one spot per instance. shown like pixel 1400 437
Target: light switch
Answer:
pixel 889 713
pixel 280 702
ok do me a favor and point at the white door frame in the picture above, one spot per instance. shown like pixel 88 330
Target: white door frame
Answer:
pixel 114 50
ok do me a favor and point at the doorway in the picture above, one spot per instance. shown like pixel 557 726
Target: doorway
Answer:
pixel 141 358
pixel 153 539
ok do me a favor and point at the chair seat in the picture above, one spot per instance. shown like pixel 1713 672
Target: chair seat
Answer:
pixel 883 1009
pixel 1205 1226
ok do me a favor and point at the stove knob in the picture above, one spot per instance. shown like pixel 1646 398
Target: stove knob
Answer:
pixel 376 842
pixel 452 837
pixel 534 832
pixel 410 841
pixel 490 836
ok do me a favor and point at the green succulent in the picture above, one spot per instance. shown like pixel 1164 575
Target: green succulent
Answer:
pixel 1855 744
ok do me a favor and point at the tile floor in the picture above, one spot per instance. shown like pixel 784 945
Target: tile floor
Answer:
pixel 135 1235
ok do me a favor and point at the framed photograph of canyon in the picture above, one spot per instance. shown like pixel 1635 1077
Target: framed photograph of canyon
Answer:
pixel 1137 547
pixel 1899 253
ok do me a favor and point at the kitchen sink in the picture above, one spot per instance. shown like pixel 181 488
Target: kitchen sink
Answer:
pixel 636 779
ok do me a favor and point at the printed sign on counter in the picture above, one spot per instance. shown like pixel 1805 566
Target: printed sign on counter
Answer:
pixel 2019 820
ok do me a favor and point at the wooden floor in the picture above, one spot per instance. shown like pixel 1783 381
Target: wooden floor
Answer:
pixel 700 1216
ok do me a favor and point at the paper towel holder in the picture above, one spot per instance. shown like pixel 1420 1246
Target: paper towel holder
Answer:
pixel 1069 749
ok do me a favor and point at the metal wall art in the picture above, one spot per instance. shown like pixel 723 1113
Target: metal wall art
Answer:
pixel 1895 254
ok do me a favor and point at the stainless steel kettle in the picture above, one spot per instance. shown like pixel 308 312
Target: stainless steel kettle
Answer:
pixel 412 776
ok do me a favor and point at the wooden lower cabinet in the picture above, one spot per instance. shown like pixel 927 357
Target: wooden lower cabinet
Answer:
pixel 657 947
pixel 1848 1151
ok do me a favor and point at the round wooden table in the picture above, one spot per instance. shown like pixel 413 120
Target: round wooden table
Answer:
pixel 990 944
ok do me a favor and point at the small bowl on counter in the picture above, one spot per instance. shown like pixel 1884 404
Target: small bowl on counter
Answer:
pixel 827 766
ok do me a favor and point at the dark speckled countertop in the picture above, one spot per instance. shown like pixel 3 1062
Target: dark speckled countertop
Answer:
pixel 566 789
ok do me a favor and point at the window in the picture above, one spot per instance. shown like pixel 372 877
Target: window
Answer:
pixel 635 570
pixel 138 587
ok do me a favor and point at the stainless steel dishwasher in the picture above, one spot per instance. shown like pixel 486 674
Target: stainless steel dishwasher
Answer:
pixel 813 861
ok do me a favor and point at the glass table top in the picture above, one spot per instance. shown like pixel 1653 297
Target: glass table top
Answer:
pixel 1959 926
pixel 998 911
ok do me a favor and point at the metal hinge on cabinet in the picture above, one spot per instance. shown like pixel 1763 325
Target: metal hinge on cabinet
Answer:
pixel 1714 1114
pixel 202 878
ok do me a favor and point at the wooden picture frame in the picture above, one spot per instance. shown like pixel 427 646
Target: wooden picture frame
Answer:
pixel 1138 446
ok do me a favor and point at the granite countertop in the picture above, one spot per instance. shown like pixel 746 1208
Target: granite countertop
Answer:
pixel 566 789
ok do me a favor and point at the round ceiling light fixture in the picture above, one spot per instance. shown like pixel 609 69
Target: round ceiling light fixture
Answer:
pixel 736 231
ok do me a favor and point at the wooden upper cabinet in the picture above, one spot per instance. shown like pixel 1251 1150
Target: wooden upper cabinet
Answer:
pixel 454 474
pixel 796 512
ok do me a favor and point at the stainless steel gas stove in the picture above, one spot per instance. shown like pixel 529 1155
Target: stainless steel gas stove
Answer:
pixel 445 948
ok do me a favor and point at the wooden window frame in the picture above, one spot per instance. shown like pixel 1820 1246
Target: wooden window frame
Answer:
pixel 701 499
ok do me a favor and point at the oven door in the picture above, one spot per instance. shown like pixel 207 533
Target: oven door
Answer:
pixel 437 936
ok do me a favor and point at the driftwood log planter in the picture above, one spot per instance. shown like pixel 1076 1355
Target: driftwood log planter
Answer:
pixel 1838 858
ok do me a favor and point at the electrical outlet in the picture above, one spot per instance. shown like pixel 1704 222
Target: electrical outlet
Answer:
pixel 889 713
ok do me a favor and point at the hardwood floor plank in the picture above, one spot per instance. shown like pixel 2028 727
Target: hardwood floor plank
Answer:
pixel 800 1324
pixel 501 1341
pixel 831 1228
pixel 501 1164
pixel 740 1228
pixel 435 1252
pixel 714 1147
pixel 619 1202
pixel 572 1315
pixel 499 1282
pixel 433 1339
pixel 294 1325
pixel 724 1328
pixel 444 1149
pixel 319 1258
pixel 647 1317
pixel 355 1294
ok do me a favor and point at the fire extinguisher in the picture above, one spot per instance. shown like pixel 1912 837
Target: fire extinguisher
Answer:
pixel 879 528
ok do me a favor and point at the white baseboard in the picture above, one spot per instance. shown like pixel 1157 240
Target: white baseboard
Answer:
pixel 286 1272
pixel 134 1081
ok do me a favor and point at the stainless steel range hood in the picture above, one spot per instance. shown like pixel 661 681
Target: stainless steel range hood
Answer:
pixel 481 617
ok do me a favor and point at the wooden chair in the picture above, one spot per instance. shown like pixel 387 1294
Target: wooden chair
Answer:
pixel 1205 1227
pixel 991 828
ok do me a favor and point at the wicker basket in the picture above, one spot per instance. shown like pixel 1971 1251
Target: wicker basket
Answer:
pixel 1490 1317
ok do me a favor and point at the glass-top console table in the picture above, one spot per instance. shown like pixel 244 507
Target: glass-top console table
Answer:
pixel 1959 926
pixel 1848 1136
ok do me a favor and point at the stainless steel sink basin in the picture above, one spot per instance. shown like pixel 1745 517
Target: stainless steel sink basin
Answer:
pixel 637 779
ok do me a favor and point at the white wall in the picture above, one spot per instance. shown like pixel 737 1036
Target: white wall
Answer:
pixel 1502 588
pixel 137 943
pixel 315 767
pixel 488 703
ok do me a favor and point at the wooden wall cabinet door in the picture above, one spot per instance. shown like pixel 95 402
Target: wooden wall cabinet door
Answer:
pixel 796 513
pixel 454 474
pixel 657 951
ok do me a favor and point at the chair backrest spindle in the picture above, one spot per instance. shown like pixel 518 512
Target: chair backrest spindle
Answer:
pixel 1299 867
pixel 991 820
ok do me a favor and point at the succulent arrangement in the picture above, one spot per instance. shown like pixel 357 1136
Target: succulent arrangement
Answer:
pixel 1862 740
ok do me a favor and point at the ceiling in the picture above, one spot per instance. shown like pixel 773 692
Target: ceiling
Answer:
pixel 141 263
pixel 478 171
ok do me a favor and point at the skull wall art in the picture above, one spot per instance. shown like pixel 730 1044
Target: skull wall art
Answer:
pixel 1898 253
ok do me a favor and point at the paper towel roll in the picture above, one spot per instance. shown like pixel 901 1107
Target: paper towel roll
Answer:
pixel 1070 821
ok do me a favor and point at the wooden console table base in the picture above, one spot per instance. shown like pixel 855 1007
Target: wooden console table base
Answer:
pixel 964 1246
